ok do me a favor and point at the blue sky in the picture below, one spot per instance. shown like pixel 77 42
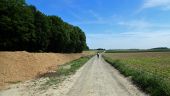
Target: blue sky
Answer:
pixel 115 24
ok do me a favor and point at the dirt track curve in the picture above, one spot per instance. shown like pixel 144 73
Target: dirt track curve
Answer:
pixel 95 78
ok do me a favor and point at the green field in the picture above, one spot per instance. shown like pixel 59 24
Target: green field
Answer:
pixel 150 70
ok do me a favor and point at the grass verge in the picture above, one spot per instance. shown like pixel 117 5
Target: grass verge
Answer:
pixel 150 83
pixel 63 71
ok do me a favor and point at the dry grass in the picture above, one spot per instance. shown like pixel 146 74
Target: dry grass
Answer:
pixel 21 65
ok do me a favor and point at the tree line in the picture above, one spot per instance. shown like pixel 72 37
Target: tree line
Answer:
pixel 23 27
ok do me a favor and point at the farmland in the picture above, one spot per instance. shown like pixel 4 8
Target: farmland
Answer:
pixel 150 70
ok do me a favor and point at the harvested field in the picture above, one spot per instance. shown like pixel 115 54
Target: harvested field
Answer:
pixel 20 66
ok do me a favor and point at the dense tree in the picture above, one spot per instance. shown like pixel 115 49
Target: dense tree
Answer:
pixel 23 27
pixel 41 31
pixel 13 23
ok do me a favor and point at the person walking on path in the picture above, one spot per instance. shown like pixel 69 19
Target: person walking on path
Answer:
pixel 98 55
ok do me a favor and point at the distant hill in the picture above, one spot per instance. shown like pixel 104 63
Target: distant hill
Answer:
pixel 157 49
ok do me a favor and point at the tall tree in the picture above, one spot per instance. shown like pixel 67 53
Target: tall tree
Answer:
pixel 23 27
pixel 42 31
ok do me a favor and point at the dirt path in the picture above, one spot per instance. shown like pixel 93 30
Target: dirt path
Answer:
pixel 98 78
pixel 95 78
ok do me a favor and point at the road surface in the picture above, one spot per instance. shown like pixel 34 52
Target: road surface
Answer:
pixel 99 78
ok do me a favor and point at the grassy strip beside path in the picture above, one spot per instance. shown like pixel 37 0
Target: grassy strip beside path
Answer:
pixel 64 71
pixel 149 82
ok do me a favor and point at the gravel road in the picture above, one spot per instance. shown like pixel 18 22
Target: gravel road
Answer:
pixel 99 78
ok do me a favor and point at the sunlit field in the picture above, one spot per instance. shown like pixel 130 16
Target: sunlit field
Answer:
pixel 150 70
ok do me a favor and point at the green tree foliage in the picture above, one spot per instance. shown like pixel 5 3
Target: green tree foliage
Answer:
pixel 23 27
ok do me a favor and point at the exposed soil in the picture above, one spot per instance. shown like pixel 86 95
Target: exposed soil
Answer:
pixel 20 66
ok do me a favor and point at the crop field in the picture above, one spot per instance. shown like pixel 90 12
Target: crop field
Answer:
pixel 150 70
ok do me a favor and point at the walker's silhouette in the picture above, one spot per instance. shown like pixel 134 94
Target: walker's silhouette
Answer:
pixel 97 55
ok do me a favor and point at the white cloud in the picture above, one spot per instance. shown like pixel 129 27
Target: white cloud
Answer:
pixel 143 25
pixel 95 15
pixel 135 24
pixel 163 4
pixel 128 40
pixel 92 17
pixel 141 34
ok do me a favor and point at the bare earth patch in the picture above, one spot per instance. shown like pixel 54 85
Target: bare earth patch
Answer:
pixel 20 66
